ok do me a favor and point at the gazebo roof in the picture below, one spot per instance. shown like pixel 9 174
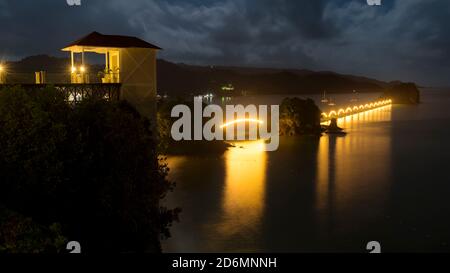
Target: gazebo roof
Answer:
pixel 97 40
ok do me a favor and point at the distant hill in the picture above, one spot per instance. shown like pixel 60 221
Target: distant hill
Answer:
pixel 183 79
pixel 177 79
pixel 40 63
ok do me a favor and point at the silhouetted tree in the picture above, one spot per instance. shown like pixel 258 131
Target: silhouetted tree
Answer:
pixel 93 168
pixel 298 117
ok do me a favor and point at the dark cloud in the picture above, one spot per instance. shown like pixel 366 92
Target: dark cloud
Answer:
pixel 406 40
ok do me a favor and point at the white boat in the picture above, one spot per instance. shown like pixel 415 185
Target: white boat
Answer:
pixel 324 97
pixel 354 97
pixel 331 102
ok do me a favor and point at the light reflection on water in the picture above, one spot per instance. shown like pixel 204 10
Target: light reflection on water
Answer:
pixel 382 181
pixel 353 170
pixel 244 193
pixel 240 216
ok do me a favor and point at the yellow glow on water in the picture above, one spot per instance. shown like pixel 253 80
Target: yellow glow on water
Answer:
pixel 341 174
pixel 176 165
pixel 241 121
pixel 244 192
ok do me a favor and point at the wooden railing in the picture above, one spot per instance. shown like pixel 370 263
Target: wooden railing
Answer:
pixel 77 92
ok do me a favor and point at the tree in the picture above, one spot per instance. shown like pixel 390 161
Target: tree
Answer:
pixel 93 168
pixel 299 117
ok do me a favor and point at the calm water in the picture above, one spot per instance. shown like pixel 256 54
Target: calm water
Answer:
pixel 387 180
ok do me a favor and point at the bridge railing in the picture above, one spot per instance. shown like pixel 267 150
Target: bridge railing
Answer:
pixel 355 109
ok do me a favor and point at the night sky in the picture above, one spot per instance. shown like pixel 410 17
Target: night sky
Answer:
pixel 407 40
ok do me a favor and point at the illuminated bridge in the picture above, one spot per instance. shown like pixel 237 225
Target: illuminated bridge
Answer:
pixel 354 109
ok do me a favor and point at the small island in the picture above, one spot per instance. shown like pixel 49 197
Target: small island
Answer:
pixel 299 117
pixel 403 93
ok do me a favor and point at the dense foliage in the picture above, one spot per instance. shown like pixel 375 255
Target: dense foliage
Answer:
pixel 93 169
pixel 19 234
pixel 299 117
pixel 403 93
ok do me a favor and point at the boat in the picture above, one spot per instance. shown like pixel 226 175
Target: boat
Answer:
pixel 354 97
pixel 331 102
pixel 324 97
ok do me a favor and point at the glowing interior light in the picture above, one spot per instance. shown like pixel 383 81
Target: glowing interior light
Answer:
pixel 1 68
pixel 82 69
pixel 240 121
pixel 74 69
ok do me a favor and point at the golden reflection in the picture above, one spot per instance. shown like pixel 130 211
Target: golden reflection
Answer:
pixel 175 164
pixel 244 192
pixel 323 158
pixel 351 165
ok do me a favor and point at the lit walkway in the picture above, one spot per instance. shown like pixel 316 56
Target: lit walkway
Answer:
pixel 351 110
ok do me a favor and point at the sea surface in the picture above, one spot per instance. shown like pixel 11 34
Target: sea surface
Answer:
pixel 387 180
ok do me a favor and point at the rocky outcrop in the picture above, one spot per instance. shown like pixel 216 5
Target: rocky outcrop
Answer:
pixel 299 117
pixel 403 93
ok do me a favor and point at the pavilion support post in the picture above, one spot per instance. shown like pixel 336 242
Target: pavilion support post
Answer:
pixel 107 61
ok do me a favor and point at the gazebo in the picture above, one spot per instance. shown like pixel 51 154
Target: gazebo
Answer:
pixel 129 61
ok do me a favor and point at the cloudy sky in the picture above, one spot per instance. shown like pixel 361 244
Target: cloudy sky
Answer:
pixel 403 39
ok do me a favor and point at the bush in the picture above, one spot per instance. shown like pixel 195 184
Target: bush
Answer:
pixel 19 234
pixel 93 168
pixel 299 117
